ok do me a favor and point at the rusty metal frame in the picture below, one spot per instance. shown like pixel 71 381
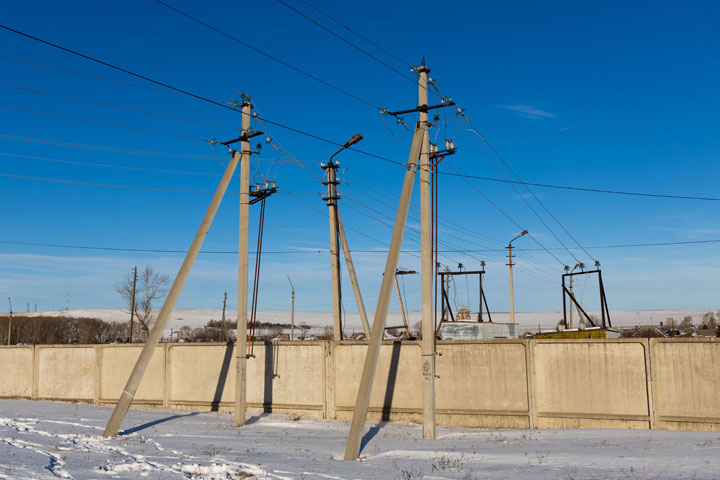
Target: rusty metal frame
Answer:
pixel 447 309
pixel 604 311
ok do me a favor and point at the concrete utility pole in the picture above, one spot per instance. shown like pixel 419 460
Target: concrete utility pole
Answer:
pixel 352 449
pixel 334 247
pixel 143 361
pixel 332 198
pixel 572 304
pixel 132 304
pixel 242 302
pixel 292 310
pixel 353 277
pixel 427 344
pixel 510 264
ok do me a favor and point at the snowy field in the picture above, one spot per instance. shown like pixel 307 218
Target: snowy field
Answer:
pixel 51 440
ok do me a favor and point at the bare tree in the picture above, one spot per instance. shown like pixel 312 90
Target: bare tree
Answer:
pixel 687 324
pixel 709 320
pixel 149 291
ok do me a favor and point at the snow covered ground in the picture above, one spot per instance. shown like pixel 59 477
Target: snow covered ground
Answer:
pixel 198 317
pixel 49 440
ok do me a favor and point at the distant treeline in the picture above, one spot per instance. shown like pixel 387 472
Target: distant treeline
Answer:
pixel 61 330
pixel 50 330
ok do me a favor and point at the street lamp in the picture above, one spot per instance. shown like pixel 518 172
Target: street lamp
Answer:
pixel 355 139
pixel 332 197
pixel 510 264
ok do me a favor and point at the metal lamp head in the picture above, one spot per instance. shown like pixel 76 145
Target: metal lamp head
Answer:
pixel 355 139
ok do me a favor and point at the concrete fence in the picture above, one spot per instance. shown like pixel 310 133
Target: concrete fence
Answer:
pixel 669 384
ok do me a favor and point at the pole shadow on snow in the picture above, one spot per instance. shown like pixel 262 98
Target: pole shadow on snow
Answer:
pixel 215 405
pixel 155 422
pixel 389 392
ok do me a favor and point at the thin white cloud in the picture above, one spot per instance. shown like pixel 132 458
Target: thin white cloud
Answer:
pixel 529 111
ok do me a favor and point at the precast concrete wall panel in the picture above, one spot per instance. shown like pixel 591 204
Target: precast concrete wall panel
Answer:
pixel 589 384
pixel 287 376
pixel 482 384
pixel 397 387
pixel 67 373
pixel 583 383
pixel 686 379
pixel 116 363
pixel 17 375
pixel 201 374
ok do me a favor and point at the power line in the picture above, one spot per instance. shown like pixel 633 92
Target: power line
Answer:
pixel 506 215
pixel 105 165
pixel 585 189
pixel 190 94
pixel 84 146
pixel 316 137
pixel 103 185
pixel 119 107
pixel 358 34
pixel 89 75
pixel 235 252
pixel 360 49
pixel 265 54
pixel 527 204
pixel 542 204
pixel 132 187
pixel 98 122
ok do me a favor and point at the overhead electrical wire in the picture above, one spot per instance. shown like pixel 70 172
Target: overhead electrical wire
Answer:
pixel 84 146
pixel 357 34
pixel 542 204
pixel 104 165
pixel 506 215
pixel 98 122
pixel 90 75
pixel 356 47
pixel 267 55
pixel 190 94
pixel 585 189
pixel 118 107
pixel 525 201
pixel 132 187
pixel 234 252
pixel 282 126
pixel 353 45
pixel 310 135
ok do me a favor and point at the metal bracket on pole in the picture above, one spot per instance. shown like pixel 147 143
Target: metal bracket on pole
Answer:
pixel 422 108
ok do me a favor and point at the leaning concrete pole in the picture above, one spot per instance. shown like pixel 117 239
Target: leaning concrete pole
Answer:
pixel 242 303
pixel 353 277
pixel 141 365
pixel 427 344
pixel 352 449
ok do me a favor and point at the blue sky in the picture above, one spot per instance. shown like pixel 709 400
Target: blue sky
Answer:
pixel 606 95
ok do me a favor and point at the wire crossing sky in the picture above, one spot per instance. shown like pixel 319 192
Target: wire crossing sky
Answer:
pixel 599 120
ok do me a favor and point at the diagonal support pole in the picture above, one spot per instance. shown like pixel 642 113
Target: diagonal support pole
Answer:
pixel 353 277
pixel 143 360
pixel 352 449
